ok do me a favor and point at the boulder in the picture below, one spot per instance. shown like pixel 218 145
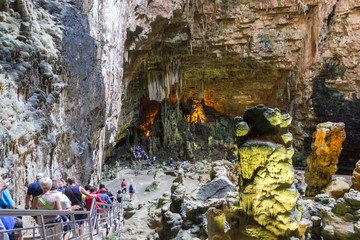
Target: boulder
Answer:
pixel 171 223
pixel 337 188
pixel 158 174
pixel 220 168
pixel 335 227
pixel 217 188
pixel 154 185
pixel 129 210
pixel 353 199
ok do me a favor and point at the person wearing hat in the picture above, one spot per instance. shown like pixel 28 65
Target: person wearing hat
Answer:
pixel 33 190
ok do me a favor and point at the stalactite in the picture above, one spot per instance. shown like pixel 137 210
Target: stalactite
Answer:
pixel 302 7
pixel 160 83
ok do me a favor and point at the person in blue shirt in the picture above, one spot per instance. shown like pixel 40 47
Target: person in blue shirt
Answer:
pixel 104 196
pixel 9 224
pixel 33 190
pixel 131 191
pixel 4 236
pixel 6 200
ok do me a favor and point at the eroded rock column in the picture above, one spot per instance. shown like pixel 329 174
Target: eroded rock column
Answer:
pixel 322 163
pixel 356 177
pixel 264 151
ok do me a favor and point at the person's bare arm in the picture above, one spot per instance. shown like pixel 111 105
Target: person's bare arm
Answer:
pixel 57 203
pixel 74 208
pixel 34 202
pixel 4 185
pixel 83 191
pixel 27 201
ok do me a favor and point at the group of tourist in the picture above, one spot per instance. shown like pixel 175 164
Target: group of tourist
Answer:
pixel 139 153
pixel 55 194
pixel 174 164
pixel 48 194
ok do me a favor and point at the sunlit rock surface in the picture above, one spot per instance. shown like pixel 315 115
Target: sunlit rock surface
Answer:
pixel 337 188
pixel 356 177
pixel 267 191
pixel 322 163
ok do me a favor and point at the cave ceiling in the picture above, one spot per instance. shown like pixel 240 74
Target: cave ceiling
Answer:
pixel 223 80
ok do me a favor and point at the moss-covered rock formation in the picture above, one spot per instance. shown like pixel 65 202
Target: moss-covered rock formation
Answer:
pixel 267 191
pixel 216 224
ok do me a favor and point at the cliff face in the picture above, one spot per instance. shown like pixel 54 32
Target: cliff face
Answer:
pixel 52 92
pixel 73 75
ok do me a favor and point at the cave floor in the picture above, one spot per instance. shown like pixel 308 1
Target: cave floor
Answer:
pixel 143 180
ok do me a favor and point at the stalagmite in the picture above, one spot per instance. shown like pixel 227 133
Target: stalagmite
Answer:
pixel 322 163
pixel 356 177
pixel 216 224
pixel 263 147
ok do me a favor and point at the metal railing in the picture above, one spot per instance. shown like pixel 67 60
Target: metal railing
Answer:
pixel 106 216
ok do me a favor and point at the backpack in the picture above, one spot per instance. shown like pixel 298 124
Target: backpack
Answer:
pixel 123 184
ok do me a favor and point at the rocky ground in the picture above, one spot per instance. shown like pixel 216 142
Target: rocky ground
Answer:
pixel 151 213
pixel 145 202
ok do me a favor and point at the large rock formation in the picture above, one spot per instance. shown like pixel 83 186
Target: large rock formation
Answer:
pixel 220 185
pixel 267 192
pixel 74 75
pixel 356 177
pixel 322 163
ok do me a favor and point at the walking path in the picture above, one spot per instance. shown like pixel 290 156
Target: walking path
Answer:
pixel 141 224
pixel 141 181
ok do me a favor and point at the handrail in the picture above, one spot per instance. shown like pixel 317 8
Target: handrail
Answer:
pixel 94 220
pixel 20 212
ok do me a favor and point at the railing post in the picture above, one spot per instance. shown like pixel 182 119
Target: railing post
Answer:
pixel 90 227
pixel 73 223
pixel 91 224
pixel 43 226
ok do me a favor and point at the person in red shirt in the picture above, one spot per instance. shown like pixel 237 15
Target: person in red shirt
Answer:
pixel 123 186
pixel 88 200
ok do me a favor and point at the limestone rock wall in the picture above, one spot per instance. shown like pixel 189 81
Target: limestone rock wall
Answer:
pixel 51 92
pixel 60 106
